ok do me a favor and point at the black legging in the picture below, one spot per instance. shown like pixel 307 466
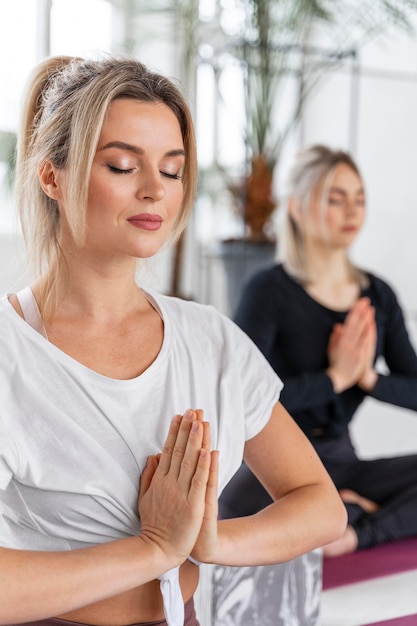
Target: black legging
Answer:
pixel 390 482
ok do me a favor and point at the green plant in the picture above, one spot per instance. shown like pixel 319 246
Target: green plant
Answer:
pixel 276 47
pixel 7 154
pixel 278 41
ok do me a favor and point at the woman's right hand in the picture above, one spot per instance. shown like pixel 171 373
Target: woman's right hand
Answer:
pixel 352 346
pixel 173 489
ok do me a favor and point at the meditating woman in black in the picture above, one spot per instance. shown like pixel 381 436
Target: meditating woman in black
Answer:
pixel 323 323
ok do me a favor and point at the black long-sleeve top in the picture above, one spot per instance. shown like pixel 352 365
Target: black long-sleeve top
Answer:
pixel 292 330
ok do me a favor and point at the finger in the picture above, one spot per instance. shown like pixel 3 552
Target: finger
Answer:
pixel 206 443
pixel 360 307
pixel 168 449
pixel 369 324
pixel 198 486
pixel 189 439
pixel 206 429
pixel 206 436
pixel 334 339
pixel 336 333
pixel 191 455
pixel 354 326
pixel 355 319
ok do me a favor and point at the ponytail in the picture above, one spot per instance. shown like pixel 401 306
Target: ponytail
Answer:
pixel 33 101
pixel 38 213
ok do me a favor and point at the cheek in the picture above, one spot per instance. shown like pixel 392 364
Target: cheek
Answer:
pixel 175 200
pixel 333 217
pixel 100 197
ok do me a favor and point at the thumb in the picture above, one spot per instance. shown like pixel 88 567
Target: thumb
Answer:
pixel 335 335
pixel 148 474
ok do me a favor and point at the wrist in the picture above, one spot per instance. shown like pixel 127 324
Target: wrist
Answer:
pixel 368 381
pixel 153 554
pixel 339 384
pixel 210 551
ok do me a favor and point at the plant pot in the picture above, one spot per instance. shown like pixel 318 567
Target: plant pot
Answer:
pixel 242 259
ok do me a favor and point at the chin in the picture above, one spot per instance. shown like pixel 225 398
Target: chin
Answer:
pixel 146 253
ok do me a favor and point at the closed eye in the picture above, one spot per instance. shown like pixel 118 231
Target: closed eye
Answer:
pixel 173 176
pixel 117 170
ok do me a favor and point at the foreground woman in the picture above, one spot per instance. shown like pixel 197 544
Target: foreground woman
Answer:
pixel 109 473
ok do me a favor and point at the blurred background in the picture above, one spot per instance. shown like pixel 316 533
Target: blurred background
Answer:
pixel 264 78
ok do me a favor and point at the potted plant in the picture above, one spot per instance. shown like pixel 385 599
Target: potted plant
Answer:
pixel 275 47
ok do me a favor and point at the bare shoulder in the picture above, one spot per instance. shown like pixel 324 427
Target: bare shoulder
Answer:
pixel 15 304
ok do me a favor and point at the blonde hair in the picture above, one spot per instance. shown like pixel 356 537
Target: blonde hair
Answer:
pixel 66 102
pixel 314 169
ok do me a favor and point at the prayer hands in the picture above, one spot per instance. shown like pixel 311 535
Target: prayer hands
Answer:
pixel 176 487
pixel 351 349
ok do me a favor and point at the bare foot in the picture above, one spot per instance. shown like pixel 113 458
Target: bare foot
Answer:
pixel 351 497
pixel 345 545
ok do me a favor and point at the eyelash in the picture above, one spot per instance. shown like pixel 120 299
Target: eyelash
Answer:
pixel 117 170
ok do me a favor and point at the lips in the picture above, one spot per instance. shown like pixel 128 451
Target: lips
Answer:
pixel 146 221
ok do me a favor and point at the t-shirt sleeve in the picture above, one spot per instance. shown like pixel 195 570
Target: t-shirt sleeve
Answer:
pixel 259 384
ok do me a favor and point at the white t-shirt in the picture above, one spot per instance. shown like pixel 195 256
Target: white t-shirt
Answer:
pixel 73 443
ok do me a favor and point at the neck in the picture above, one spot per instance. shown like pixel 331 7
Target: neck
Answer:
pixel 96 290
pixel 328 267
pixel 332 280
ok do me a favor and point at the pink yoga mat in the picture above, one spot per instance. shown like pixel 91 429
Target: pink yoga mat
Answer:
pixel 407 620
pixel 389 558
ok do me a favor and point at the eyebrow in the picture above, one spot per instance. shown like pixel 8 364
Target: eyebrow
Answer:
pixel 121 145
pixel 343 192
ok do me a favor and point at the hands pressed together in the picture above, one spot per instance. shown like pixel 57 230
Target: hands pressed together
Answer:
pixel 351 349
pixel 178 493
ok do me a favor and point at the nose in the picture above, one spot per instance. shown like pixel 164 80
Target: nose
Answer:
pixel 351 206
pixel 150 184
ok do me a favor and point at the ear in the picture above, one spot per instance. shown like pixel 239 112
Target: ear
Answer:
pixel 294 209
pixel 49 180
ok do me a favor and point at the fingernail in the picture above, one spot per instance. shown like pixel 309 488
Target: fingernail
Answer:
pixel 188 415
pixel 194 427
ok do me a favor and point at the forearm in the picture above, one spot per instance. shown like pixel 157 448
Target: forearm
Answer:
pixel 303 520
pixel 37 585
pixel 399 390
